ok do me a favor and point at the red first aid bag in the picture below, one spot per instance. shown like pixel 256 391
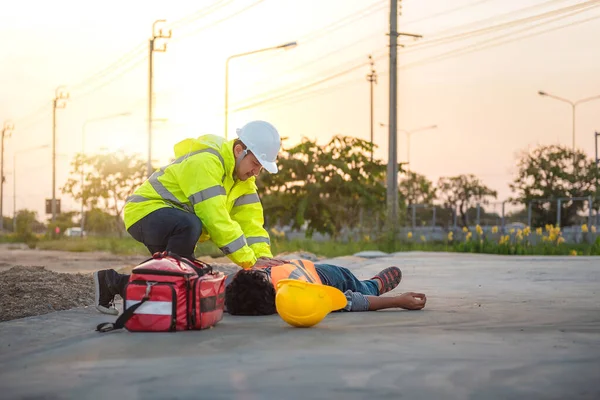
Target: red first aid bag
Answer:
pixel 171 293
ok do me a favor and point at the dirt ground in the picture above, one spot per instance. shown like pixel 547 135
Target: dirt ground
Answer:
pixel 36 282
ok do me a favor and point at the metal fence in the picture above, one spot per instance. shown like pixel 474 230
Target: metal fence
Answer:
pixel 434 222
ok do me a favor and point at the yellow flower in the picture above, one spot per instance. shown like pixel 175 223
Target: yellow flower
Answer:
pixel 479 230
pixel 450 236
pixel 409 235
pixel 504 239
pixel 519 235
pixel 494 229
pixel 469 235
pixel 465 229
pixel 545 238
pixel 526 231
pixel 593 228
pixel 584 228
pixel 539 231
pixel 549 227
pixel 278 233
pixel 423 238
pixel 367 238
pixel 512 231
pixel 573 252
pixel 560 240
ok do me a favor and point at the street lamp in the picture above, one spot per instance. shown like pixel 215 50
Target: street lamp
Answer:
pixel 286 46
pixel 15 180
pixel 573 105
pixel 85 124
pixel 408 133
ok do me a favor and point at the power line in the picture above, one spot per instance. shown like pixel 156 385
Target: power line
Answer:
pixel 143 59
pixel 141 48
pixel 501 26
pixel 329 28
pixel 130 56
pixel 306 86
pixel 490 42
pixel 218 21
pixel 446 12
pixel 283 99
pixel 199 14
pixel 498 17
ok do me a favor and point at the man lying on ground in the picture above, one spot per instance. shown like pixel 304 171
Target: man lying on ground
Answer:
pixel 252 291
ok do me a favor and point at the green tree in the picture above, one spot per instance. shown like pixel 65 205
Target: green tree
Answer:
pixel 325 187
pixel 27 224
pixel 109 180
pixel 552 172
pixel 464 192
pixel 98 221
pixel 416 189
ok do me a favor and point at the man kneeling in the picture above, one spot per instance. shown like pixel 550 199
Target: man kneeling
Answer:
pixel 252 291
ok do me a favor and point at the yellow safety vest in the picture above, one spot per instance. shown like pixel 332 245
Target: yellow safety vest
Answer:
pixel 200 181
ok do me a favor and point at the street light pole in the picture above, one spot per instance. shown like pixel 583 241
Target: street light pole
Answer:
pixel 85 124
pixel 151 50
pixel 573 104
pixel 6 132
pixel 60 101
pixel 14 221
pixel 372 79
pixel 408 133
pixel 286 46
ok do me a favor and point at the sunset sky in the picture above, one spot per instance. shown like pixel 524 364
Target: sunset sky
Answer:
pixel 478 86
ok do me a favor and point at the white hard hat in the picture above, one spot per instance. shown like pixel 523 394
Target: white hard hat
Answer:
pixel 262 139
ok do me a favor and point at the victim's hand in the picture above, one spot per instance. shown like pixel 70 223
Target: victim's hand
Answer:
pixel 411 301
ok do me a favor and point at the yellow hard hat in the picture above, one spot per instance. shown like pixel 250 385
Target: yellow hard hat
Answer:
pixel 304 304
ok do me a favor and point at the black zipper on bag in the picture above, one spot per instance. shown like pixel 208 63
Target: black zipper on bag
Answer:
pixel 160 272
pixel 173 326
pixel 188 297
pixel 194 302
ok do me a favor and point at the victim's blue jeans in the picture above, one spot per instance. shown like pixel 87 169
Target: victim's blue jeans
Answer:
pixel 341 278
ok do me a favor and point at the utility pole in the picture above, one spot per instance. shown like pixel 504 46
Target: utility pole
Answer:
pixel 60 101
pixel 6 132
pixel 372 79
pixel 596 143
pixel 151 49
pixel 392 167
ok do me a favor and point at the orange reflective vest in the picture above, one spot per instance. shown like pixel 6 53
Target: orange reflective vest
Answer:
pixel 301 270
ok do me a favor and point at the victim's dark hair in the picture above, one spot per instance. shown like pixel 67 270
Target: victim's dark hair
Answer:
pixel 249 293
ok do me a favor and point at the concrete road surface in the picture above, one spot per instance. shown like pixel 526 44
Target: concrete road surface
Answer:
pixel 494 328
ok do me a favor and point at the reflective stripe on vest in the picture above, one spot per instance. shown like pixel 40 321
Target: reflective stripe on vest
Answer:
pixel 295 269
pixel 257 239
pixel 194 199
pixel 206 194
pixel 246 199
pixel 234 246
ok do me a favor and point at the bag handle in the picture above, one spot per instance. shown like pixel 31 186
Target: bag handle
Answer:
pixel 206 269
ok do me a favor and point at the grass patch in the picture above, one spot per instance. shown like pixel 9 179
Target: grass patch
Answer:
pixel 129 246
pixel 122 246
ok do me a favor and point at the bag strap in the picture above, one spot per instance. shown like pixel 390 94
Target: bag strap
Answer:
pixel 126 316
